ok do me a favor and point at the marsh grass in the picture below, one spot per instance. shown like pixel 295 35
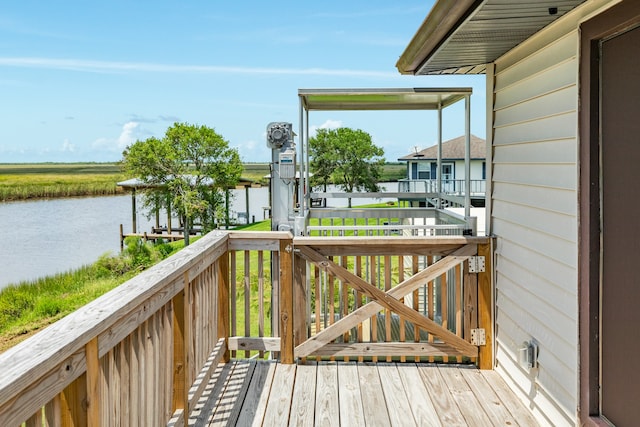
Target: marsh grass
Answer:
pixel 31 181
pixel 255 172
pixel 51 180
pixel 28 306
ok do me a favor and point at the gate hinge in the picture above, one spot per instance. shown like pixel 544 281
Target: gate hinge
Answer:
pixel 476 264
pixel 478 337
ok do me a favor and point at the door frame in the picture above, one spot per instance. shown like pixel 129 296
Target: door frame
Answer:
pixel 615 20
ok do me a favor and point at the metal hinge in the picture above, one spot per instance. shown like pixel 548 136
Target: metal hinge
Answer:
pixel 476 264
pixel 478 337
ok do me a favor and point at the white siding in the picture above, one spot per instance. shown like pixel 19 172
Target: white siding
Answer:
pixel 475 168
pixel 534 216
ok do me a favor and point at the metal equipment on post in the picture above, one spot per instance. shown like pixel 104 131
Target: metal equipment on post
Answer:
pixel 283 175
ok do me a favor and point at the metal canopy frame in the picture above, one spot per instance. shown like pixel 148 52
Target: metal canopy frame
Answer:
pixel 381 99
pixel 376 99
pixel 462 36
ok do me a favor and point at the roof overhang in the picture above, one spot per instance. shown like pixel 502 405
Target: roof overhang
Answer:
pixel 381 99
pixel 462 36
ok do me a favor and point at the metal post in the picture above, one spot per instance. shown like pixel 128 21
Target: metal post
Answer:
pixel 301 182
pixel 246 198
pixel 439 159
pixel 307 204
pixel 467 156
pixel 226 209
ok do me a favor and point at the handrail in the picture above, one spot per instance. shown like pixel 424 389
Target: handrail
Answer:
pixel 37 370
pixel 157 336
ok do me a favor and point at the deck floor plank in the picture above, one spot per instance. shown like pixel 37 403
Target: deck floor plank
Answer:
pixel 471 409
pixel 350 396
pixel 228 408
pixel 279 404
pixel 304 396
pixel 442 400
pixel 373 403
pixel 266 393
pixel 395 395
pixel 255 401
pixel 327 404
pixel 424 413
pixel 516 407
pixel 213 393
pixel 493 406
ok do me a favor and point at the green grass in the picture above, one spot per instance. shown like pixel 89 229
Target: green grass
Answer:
pixel 49 180
pixel 28 306
pixel 393 172
pixel 256 172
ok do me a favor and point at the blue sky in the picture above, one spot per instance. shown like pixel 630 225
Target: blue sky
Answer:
pixel 79 80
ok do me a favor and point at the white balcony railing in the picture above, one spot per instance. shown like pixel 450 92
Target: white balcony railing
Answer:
pixel 455 187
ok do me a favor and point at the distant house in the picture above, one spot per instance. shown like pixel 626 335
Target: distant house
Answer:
pixel 563 84
pixel 423 165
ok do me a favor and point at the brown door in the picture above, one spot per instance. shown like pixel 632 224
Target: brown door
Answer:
pixel 620 251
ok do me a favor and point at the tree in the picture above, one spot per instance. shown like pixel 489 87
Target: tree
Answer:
pixel 191 166
pixel 346 157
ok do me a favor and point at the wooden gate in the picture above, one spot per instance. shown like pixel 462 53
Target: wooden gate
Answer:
pixel 436 267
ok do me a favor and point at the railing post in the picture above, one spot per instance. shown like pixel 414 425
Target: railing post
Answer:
pixel 470 295
pixel 299 300
pixel 180 305
pixel 286 301
pixel 485 308
pixel 72 402
pixel 93 381
pixel 223 302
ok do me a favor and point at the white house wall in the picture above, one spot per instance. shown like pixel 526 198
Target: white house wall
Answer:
pixel 534 215
pixel 475 167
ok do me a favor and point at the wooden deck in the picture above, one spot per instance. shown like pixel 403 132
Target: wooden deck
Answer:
pixel 246 393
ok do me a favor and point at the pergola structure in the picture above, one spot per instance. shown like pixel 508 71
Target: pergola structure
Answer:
pixel 435 99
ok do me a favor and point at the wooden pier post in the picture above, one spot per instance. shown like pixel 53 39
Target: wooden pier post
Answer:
pixel 223 302
pixel 133 211
pixel 286 301
pixel 485 308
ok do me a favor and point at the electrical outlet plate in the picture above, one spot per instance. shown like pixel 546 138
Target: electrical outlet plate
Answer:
pixel 528 355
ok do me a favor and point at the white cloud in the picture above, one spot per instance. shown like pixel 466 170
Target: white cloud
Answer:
pixel 83 65
pixel 67 146
pixel 329 124
pixel 128 135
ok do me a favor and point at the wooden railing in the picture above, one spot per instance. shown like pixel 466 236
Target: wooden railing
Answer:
pixel 391 298
pixel 142 354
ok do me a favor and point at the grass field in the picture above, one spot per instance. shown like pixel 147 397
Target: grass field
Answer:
pixel 50 180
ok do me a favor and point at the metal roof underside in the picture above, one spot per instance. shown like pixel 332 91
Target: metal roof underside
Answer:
pixel 479 34
pixel 381 99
